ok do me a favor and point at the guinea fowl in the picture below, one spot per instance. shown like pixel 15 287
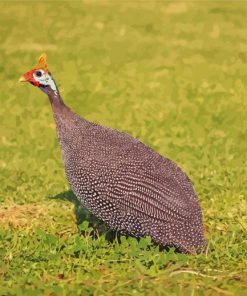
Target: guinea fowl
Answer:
pixel 122 181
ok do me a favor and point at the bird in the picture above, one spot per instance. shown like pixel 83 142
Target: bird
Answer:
pixel 122 181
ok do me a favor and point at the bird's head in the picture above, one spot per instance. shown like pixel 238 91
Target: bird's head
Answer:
pixel 40 76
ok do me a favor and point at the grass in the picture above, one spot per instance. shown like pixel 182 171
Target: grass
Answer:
pixel 173 74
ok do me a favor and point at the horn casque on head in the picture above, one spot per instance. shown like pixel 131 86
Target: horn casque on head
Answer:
pixel 42 63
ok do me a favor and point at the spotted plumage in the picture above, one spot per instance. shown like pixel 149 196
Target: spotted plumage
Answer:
pixel 124 182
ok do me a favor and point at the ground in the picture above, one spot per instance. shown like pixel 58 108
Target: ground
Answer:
pixel 173 74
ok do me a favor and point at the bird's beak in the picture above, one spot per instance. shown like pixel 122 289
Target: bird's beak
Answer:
pixel 22 79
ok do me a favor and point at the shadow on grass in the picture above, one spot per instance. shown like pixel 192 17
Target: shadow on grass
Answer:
pixel 82 214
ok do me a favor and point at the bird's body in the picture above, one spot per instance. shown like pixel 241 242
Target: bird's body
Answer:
pixel 125 183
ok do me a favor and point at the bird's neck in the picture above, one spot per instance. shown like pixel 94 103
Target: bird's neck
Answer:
pixel 56 100
pixel 61 112
pixel 66 120
pixel 53 94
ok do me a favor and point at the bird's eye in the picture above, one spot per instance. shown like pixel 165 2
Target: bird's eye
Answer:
pixel 38 73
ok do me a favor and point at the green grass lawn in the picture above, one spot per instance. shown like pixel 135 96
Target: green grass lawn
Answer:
pixel 173 74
